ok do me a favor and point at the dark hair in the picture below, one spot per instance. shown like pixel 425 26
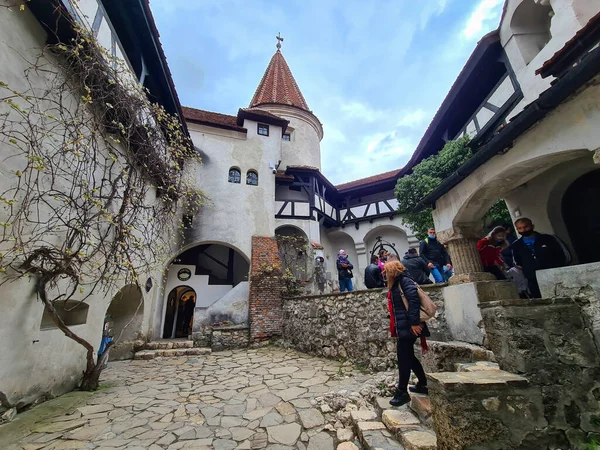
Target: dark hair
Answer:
pixel 381 252
pixel 412 251
pixel 525 220
pixel 374 259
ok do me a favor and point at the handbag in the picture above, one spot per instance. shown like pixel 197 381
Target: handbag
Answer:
pixel 428 307
pixel 349 272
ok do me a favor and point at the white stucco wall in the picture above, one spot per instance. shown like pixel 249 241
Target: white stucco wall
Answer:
pixel 236 211
pixel 569 17
pixel 51 362
pixel 304 149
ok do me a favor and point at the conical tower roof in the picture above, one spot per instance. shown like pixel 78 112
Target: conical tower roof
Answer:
pixel 278 86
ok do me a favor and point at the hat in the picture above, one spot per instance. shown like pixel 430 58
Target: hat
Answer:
pixel 342 252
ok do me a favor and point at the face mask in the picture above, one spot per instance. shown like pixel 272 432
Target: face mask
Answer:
pixel 432 236
pixel 499 241
pixel 528 233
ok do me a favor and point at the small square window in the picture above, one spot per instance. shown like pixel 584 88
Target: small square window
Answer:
pixel 287 137
pixel 263 129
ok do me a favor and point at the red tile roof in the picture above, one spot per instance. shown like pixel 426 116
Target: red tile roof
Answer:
pixel 386 176
pixel 212 119
pixel 278 86
pixel 573 45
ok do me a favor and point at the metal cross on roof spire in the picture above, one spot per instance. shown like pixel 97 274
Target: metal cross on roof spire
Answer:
pixel 279 40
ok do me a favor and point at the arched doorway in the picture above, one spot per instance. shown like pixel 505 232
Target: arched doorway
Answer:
pixel 386 237
pixel 294 251
pixel 582 216
pixel 179 313
pixel 124 319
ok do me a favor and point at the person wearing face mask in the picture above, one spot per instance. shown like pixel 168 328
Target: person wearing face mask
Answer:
pixel 435 255
pixel 536 251
pixel 490 251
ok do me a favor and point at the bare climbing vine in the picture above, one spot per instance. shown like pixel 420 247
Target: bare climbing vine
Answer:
pixel 95 176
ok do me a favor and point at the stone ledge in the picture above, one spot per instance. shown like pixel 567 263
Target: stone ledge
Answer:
pixel 528 302
pixel 425 287
pixel 470 380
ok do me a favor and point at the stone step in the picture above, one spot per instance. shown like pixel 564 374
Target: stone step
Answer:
pixel 478 366
pixel 443 356
pixel 421 406
pixel 374 435
pixel 168 344
pixel 419 440
pixel 152 354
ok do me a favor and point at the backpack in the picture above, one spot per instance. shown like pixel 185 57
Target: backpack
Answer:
pixel 428 307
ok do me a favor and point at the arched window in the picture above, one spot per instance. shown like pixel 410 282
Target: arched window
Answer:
pixel 530 27
pixel 235 175
pixel 252 178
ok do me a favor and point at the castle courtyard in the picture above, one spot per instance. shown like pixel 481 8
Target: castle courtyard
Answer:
pixel 242 399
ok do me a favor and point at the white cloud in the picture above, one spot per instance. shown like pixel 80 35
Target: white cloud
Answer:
pixel 413 119
pixel 485 12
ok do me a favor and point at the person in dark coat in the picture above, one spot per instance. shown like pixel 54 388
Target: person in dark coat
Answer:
pixel 435 255
pixel 416 266
pixel 536 251
pixel 408 327
pixel 373 275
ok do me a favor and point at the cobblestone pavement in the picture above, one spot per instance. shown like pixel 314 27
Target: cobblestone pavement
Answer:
pixel 246 399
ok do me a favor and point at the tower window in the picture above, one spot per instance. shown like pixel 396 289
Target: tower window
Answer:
pixel 252 178
pixel 287 137
pixel 235 175
pixel 263 129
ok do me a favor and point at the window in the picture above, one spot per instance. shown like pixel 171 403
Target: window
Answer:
pixel 252 178
pixel 235 175
pixel 286 136
pixel 530 28
pixel 71 312
pixel 263 129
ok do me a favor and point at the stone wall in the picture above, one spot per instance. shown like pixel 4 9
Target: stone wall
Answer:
pixel 553 344
pixel 265 303
pixel 350 325
pixel 224 338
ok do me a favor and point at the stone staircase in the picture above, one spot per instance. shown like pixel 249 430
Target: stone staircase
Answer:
pixel 169 348
pixel 392 428
pixel 410 426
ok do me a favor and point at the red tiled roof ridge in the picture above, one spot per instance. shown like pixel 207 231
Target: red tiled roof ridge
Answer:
pixel 367 180
pixel 212 118
pixel 264 112
pixel 189 108
pixel 571 43
pixel 278 86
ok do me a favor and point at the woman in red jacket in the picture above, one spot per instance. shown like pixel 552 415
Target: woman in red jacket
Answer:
pixel 490 250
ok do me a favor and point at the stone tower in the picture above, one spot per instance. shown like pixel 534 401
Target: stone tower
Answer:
pixel 279 94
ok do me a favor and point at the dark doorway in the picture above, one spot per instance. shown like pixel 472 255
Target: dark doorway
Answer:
pixel 180 313
pixel 582 216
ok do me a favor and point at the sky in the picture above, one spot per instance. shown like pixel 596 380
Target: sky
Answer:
pixel 373 71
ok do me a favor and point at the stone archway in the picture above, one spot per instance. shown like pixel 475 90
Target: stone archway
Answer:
pixel 125 315
pixel 392 239
pixel 294 251
pixel 582 218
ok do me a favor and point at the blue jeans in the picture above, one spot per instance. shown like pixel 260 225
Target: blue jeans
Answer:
pixel 345 284
pixel 437 273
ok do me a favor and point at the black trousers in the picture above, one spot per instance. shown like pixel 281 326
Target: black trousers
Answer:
pixel 407 361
